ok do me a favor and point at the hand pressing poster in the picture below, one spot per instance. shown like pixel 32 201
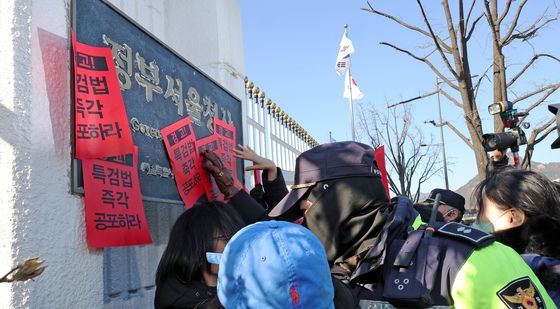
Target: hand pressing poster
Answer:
pixel 180 143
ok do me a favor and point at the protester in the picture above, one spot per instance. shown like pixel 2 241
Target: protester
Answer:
pixel 348 205
pixel 498 161
pixel 184 278
pixel 451 207
pixel 522 209
pixel 337 188
pixel 274 190
pixel 275 264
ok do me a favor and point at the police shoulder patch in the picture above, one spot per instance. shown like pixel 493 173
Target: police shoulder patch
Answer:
pixel 470 234
pixel 521 294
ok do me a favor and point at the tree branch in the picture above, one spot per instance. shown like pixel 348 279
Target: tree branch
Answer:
pixel 404 24
pixel 544 97
pixel 477 86
pixel 530 94
pixel 514 23
pixel 535 57
pixel 528 33
pixel 450 98
pixel 434 37
pixel 468 37
pixel 505 12
pixel 425 95
pixel 463 137
pixel 533 140
pixel 407 160
pixel 426 61
pixel 470 12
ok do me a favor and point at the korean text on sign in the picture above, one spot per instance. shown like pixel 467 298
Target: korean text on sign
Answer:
pixel 114 208
pixel 222 143
pixel 210 143
pixel 101 128
pixel 225 136
pixel 180 143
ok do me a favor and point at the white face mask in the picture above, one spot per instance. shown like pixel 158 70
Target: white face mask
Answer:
pixel 488 227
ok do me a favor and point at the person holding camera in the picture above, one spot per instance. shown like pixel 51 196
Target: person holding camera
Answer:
pixel 498 161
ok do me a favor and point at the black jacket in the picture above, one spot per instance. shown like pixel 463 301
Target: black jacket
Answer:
pixel 176 294
pixel 494 167
pixel 252 211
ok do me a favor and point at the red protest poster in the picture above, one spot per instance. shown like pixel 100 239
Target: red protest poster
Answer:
pixel 210 187
pixel 180 143
pixel 225 135
pixel 214 142
pixel 101 125
pixel 113 201
pixel 380 160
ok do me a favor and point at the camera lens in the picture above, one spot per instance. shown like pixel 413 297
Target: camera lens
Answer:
pixel 494 141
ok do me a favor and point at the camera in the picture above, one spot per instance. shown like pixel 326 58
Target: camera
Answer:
pixel 514 136
pixel 510 139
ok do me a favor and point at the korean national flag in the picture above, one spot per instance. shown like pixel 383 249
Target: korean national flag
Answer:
pixel 344 50
pixel 356 93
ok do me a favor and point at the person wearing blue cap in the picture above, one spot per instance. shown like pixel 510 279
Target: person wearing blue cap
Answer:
pixel 274 264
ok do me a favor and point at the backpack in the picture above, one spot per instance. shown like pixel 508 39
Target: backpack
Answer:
pixel 410 267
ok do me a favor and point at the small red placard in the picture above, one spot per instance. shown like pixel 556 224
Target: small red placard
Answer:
pixel 186 163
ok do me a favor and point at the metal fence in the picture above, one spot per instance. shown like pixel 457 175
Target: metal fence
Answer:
pixel 272 133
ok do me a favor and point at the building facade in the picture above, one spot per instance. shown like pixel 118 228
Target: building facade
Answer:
pixel 40 214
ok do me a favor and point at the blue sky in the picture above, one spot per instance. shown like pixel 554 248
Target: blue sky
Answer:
pixel 290 49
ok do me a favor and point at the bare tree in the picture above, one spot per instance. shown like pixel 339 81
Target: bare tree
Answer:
pixel 449 60
pixel 496 22
pixel 409 163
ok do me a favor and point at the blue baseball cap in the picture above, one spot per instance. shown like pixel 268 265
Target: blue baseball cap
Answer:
pixel 275 264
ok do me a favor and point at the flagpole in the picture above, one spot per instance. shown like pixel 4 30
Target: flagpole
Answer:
pixel 350 101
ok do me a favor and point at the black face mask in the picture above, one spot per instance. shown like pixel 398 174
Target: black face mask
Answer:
pixel 515 238
pixel 347 214
pixel 425 212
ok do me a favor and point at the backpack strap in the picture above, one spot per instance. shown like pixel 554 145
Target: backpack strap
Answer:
pixel 397 227
pixel 473 236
